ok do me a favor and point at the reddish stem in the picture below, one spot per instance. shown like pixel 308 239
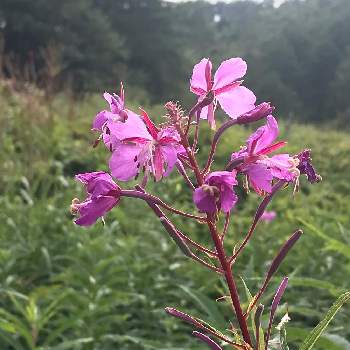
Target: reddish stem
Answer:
pixel 192 159
pixel 224 262
pixel 257 217
pixel 174 233
pixel 197 245
pixel 226 267
pixel 182 171
pixel 259 112
pixel 226 225
pixel 153 199
pixel 196 133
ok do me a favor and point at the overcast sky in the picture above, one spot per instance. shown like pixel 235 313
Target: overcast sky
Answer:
pixel 277 2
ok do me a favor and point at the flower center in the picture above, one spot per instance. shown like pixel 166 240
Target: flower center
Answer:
pixel 213 191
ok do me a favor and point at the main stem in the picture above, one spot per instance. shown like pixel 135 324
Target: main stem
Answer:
pixel 224 261
pixel 226 267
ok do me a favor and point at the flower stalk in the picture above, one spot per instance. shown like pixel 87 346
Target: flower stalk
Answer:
pixel 139 146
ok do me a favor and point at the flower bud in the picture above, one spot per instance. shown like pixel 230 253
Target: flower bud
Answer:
pixel 259 112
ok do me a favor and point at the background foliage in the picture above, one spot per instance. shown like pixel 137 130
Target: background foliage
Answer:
pixel 105 287
pixel 298 54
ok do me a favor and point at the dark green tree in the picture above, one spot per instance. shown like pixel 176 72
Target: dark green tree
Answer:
pixel 90 53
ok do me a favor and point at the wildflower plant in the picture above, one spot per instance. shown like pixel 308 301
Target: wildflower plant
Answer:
pixel 140 149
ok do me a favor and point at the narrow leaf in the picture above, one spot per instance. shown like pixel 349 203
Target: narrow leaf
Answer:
pixel 275 265
pixel 170 228
pixel 275 302
pixel 257 321
pixel 183 316
pixel 211 343
pixel 310 341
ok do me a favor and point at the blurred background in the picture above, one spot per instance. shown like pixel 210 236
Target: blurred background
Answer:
pixel 105 287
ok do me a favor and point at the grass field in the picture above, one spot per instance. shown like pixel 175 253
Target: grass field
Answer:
pixel 64 287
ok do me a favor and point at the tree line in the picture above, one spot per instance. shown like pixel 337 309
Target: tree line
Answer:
pixel 298 54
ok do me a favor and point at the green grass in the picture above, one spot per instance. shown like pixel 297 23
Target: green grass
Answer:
pixel 64 287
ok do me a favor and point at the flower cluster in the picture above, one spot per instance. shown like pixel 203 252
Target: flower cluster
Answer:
pixel 138 146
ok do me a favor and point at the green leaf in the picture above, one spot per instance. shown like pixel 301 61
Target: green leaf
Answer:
pixel 332 244
pixel 297 335
pixel 310 341
pixel 250 298
pixel 71 344
pixel 208 306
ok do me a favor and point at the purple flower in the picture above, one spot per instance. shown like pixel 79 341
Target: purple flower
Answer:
pixel 102 195
pixel 217 192
pixel 117 110
pixel 268 216
pixel 261 169
pixel 139 145
pixel 305 166
pixel 225 88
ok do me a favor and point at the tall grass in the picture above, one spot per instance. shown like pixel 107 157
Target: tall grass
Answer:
pixel 105 287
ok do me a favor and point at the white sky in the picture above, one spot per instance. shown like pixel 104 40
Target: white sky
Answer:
pixel 277 2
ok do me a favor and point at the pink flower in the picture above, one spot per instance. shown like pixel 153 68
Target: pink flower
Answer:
pixel 217 192
pixel 102 195
pixel 234 99
pixel 268 216
pixel 139 145
pixel 117 110
pixel 261 169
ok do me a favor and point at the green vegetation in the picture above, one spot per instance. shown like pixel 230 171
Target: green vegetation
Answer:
pixel 64 287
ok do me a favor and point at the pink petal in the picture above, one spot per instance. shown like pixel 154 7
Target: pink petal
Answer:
pixel 169 153
pixel 158 164
pixel 99 120
pixel 211 116
pixel 85 178
pixel 260 178
pixel 204 201
pixel 116 104
pixel 228 72
pixel 168 134
pixel 201 77
pixel 228 199
pixel 281 166
pixel 208 112
pixel 264 136
pixel 204 113
pixel 268 216
pixel 122 162
pixel 92 209
pixel 228 178
pixel 134 127
pixel 97 183
pixel 237 101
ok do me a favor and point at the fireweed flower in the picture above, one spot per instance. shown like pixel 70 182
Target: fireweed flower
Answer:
pixel 141 145
pixel 217 192
pixel 225 88
pixel 102 195
pixel 268 216
pixel 261 169
pixel 117 110
pixel 105 120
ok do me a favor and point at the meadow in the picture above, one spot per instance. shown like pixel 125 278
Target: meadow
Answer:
pixel 105 287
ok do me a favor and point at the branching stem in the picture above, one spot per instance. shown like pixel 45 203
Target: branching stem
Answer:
pixel 153 199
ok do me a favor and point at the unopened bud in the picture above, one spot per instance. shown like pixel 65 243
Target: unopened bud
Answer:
pixel 259 112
